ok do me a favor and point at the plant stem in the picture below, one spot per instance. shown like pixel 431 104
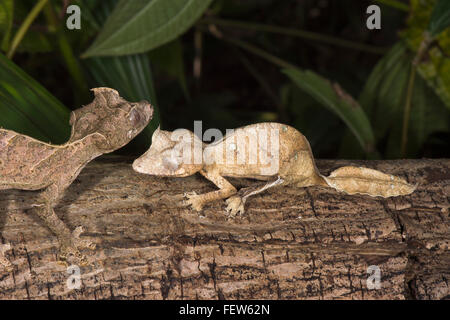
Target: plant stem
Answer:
pixel 423 48
pixel 24 27
pixel 395 4
pixel 296 33
pixel 407 110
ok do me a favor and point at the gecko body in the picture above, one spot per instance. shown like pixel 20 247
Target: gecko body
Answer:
pixel 274 152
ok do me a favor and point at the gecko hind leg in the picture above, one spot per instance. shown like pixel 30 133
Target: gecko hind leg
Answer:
pixel 70 247
pixel 69 242
pixel 236 203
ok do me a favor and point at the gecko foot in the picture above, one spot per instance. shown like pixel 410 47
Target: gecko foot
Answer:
pixel 69 251
pixel 5 263
pixel 235 206
pixel 194 200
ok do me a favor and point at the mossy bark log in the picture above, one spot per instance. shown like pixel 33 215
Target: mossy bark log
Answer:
pixel 308 243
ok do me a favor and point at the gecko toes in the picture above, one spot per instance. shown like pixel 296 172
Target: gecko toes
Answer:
pixel 70 255
pixel 69 251
pixel 5 263
pixel 78 230
pixel 193 200
pixel 196 204
pixel 190 195
pixel 8 268
pixel 235 206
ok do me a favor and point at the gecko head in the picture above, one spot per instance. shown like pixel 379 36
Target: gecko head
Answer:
pixel 111 116
pixel 170 155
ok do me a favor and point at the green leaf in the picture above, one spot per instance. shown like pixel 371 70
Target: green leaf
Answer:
pixel 335 99
pixel 440 18
pixel 141 25
pixel 435 69
pixel 436 73
pixel 6 20
pixel 28 108
pixel 383 95
pixel 383 99
pixel 428 115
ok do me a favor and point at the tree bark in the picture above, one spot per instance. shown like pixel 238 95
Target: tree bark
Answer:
pixel 306 243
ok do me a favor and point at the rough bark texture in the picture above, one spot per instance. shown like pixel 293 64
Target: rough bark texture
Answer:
pixel 312 243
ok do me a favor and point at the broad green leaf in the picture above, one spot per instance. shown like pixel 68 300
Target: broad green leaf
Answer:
pixel 333 97
pixel 27 107
pixel 383 95
pixel 169 58
pixel 142 25
pixel 383 98
pixel 435 68
pixel 428 116
pixel 6 20
pixel 436 73
pixel 440 17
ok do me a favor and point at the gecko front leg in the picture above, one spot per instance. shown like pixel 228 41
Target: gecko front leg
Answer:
pixel 197 201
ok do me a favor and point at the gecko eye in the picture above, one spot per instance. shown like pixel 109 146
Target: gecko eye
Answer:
pixel 170 163
pixel 134 117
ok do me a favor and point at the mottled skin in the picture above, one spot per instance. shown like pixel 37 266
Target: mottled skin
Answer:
pixel 296 165
pixel 105 125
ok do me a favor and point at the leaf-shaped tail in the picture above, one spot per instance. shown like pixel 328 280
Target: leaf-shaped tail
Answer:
pixel 374 183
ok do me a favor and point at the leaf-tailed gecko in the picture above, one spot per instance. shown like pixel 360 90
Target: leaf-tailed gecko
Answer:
pixel 106 124
pixel 268 151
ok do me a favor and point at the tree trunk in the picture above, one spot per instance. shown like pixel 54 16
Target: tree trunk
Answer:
pixel 307 243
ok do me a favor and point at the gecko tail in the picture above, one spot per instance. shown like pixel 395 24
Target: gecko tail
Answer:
pixel 352 180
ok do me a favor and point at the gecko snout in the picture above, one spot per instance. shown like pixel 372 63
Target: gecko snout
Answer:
pixel 147 110
pixel 137 166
